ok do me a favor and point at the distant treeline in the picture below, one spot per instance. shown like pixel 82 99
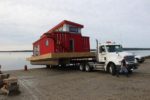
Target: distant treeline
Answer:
pixel 129 49
pixel 136 48
pixel 17 51
pixel 90 50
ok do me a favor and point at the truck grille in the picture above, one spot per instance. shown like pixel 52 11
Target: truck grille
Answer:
pixel 129 58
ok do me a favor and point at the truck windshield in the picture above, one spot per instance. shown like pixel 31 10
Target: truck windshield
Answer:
pixel 114 48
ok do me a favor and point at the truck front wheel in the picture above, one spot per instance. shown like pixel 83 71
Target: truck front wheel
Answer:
pixel 112 69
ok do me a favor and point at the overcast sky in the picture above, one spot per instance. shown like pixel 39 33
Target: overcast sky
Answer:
pixel 123 21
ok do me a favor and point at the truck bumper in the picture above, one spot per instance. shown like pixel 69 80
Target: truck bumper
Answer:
pixel 132 66
pixel 129 66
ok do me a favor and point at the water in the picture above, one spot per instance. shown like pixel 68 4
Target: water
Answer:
pixel 17 60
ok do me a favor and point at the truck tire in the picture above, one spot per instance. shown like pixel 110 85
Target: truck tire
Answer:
pixel 81 67
pixel 112 69
pixel 87 68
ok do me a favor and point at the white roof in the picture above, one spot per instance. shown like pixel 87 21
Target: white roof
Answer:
pixel 110 43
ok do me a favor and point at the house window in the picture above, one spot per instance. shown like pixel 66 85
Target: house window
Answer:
pixel 73 29
pixel 47 43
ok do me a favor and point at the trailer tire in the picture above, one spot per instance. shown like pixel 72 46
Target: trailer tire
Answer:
pixel 112 69
pixel 87 68
pixel 81 67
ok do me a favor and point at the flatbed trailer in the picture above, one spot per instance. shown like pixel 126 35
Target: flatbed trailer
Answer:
pixel 62 58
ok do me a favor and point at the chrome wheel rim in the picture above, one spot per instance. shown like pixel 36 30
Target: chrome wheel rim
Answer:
pixel 81 67
pixel 87 68
pixel 110 69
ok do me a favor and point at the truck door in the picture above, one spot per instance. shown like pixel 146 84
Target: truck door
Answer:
pixel 102 54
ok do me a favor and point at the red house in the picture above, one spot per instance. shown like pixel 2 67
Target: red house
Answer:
pixel 64 37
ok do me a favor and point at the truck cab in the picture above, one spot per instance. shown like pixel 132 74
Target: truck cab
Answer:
pixel 111 55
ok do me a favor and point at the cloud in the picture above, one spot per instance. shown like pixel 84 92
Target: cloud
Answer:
pixel 127 21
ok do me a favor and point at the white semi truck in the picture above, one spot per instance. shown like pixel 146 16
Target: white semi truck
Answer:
pixel 108 57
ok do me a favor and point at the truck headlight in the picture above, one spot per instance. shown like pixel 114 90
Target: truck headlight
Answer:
pixel 118 62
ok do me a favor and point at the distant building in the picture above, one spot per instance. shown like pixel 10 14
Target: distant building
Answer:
pixel 64 37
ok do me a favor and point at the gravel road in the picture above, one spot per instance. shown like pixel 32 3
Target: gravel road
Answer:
pixel 71 84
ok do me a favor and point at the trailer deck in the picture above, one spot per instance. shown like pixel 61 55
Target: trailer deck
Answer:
pixel 53 58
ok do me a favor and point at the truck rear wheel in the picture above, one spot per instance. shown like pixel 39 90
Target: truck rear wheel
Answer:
pixel 82 67
pixel 112 69
pixel 87 68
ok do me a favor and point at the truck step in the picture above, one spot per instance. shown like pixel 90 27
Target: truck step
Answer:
pixel 99 66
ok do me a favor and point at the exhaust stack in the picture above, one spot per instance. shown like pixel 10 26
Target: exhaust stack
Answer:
pixel 97 50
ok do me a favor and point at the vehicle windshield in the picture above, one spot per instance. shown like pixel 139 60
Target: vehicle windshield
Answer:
pixel 114 48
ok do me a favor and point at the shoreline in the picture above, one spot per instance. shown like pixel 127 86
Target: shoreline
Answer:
pixel 44 67
pixel 126 49
pixel 16 70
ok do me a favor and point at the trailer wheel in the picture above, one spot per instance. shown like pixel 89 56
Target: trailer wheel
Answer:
pixel 82 67
pixel 112 69
pixel 87 68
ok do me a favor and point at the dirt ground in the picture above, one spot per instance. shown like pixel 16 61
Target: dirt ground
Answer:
pixel 71 84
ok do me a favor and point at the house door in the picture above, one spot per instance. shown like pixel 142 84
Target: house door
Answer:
pixel 71 45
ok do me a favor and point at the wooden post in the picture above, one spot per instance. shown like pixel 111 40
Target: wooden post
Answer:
pixel 25 68
pixel 0 69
